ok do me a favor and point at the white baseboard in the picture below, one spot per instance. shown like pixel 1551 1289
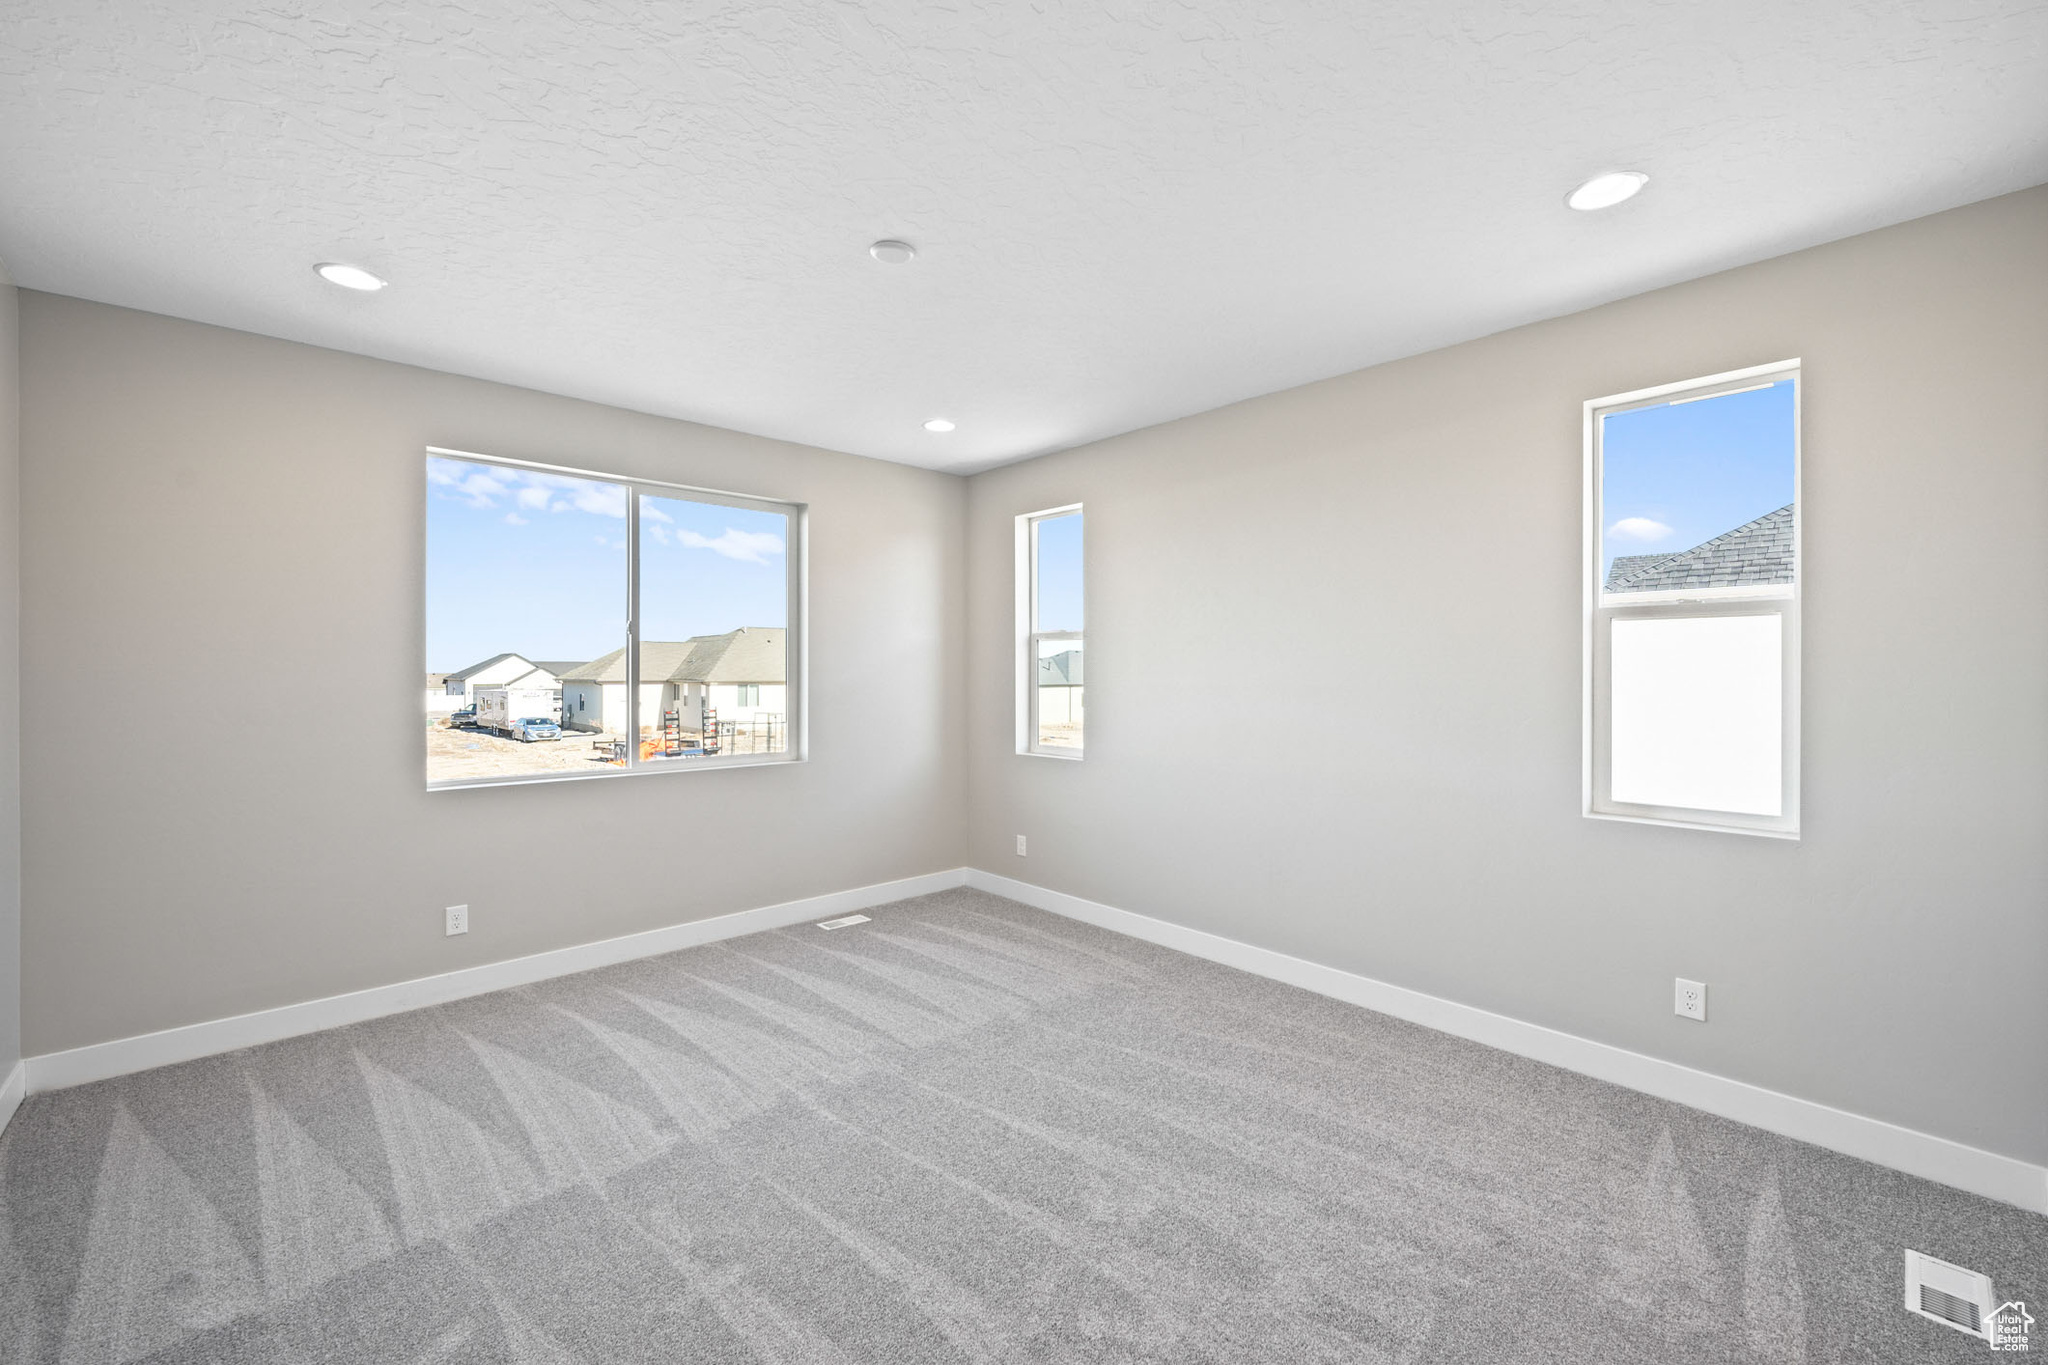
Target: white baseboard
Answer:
pixel 12 1091
pixel 121 1056
pixel 1887 1144
pixel 1904 1149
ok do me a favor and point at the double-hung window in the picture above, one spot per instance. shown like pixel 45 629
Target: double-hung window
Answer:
pixel 596 620
pixel 1049 633
pixel 1692 603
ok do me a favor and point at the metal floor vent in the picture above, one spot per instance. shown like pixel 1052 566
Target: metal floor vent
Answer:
pixel 1948 1294
pixel 842 921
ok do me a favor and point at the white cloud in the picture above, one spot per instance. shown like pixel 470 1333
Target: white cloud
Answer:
pixel 481 490
pixel 530 490
pixel 660 533
pixel 600 499
pixel 476 486
pixel 649 512
pixel 750 547
pixel 514 519
pixel 1639 529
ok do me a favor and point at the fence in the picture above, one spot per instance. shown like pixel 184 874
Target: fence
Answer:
pixel 753 735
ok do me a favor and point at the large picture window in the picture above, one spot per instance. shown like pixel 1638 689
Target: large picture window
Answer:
pixel 1692 603
pixel 598 626
pixel 1050 633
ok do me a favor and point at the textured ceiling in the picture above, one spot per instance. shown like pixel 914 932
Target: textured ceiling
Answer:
pixel 1126 212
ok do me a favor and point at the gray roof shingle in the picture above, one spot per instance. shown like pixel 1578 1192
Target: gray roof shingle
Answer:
pixel 749 654
pixel 1061 670
pixel 1754 553
pixel 465 674
pixel 1625 565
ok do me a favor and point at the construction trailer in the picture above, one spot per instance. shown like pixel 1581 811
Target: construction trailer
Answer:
pixel 499 708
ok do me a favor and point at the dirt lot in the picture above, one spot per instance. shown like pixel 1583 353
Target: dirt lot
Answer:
pixel 466 755
pixel 470 755
pixel 1059 736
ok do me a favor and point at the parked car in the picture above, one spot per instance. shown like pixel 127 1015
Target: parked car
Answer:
pixel 465 716
pixel 532 728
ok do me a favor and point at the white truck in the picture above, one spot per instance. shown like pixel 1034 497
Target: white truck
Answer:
pixel 500 709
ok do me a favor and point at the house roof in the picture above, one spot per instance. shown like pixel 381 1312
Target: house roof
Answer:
pixel 1061 670
pixel 491 662
pixel 749 654
pixel 556 666
pixel 1626 565
pixel 1755 552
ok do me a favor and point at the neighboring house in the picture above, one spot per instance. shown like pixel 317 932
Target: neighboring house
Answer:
pixel 741 674
pixel 1754 553
pixel 1059 688
pixel 439 703
pixel 503 670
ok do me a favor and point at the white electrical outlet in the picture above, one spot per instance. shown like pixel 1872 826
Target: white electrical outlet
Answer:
pixel 1020 846
pixel 458 920
pixel 1690 999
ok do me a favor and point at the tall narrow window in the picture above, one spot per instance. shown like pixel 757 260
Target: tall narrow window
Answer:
pixel 1692 603
pixel 1050 631
pixel 594 622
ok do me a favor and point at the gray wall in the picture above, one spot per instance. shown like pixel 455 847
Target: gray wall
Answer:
pixel 1333 685
pixel 225 522
pixel 10 677
pixel 1334 682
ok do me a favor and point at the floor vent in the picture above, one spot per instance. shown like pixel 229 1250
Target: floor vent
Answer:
pixel 1947 1294
pixel 842 921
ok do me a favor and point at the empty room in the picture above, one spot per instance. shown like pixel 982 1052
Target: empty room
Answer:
pixel 900 684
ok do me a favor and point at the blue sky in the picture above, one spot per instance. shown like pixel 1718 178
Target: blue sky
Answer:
pixel 528 563
pixel 706 569
pixel 1675 475
pixel 1059 573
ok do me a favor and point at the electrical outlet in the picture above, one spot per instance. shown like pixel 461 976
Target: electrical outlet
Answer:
pixel 458 920
pixel 1690 999
pixel 1020 846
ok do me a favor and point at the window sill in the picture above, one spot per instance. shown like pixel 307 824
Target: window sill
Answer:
pixel 539 778
pixel 1753 831
pixel 1041 753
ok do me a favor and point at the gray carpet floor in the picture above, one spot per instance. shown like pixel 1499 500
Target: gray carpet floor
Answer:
pixel 966 1131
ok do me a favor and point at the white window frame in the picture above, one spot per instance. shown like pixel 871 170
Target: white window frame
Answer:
pixel 1028 638
pixel 795 637
pixel 1601 609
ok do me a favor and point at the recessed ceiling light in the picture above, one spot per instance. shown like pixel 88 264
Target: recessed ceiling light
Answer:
pixel 1605 191
pixel 938 424
pixel 892 252
pixel 349 276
